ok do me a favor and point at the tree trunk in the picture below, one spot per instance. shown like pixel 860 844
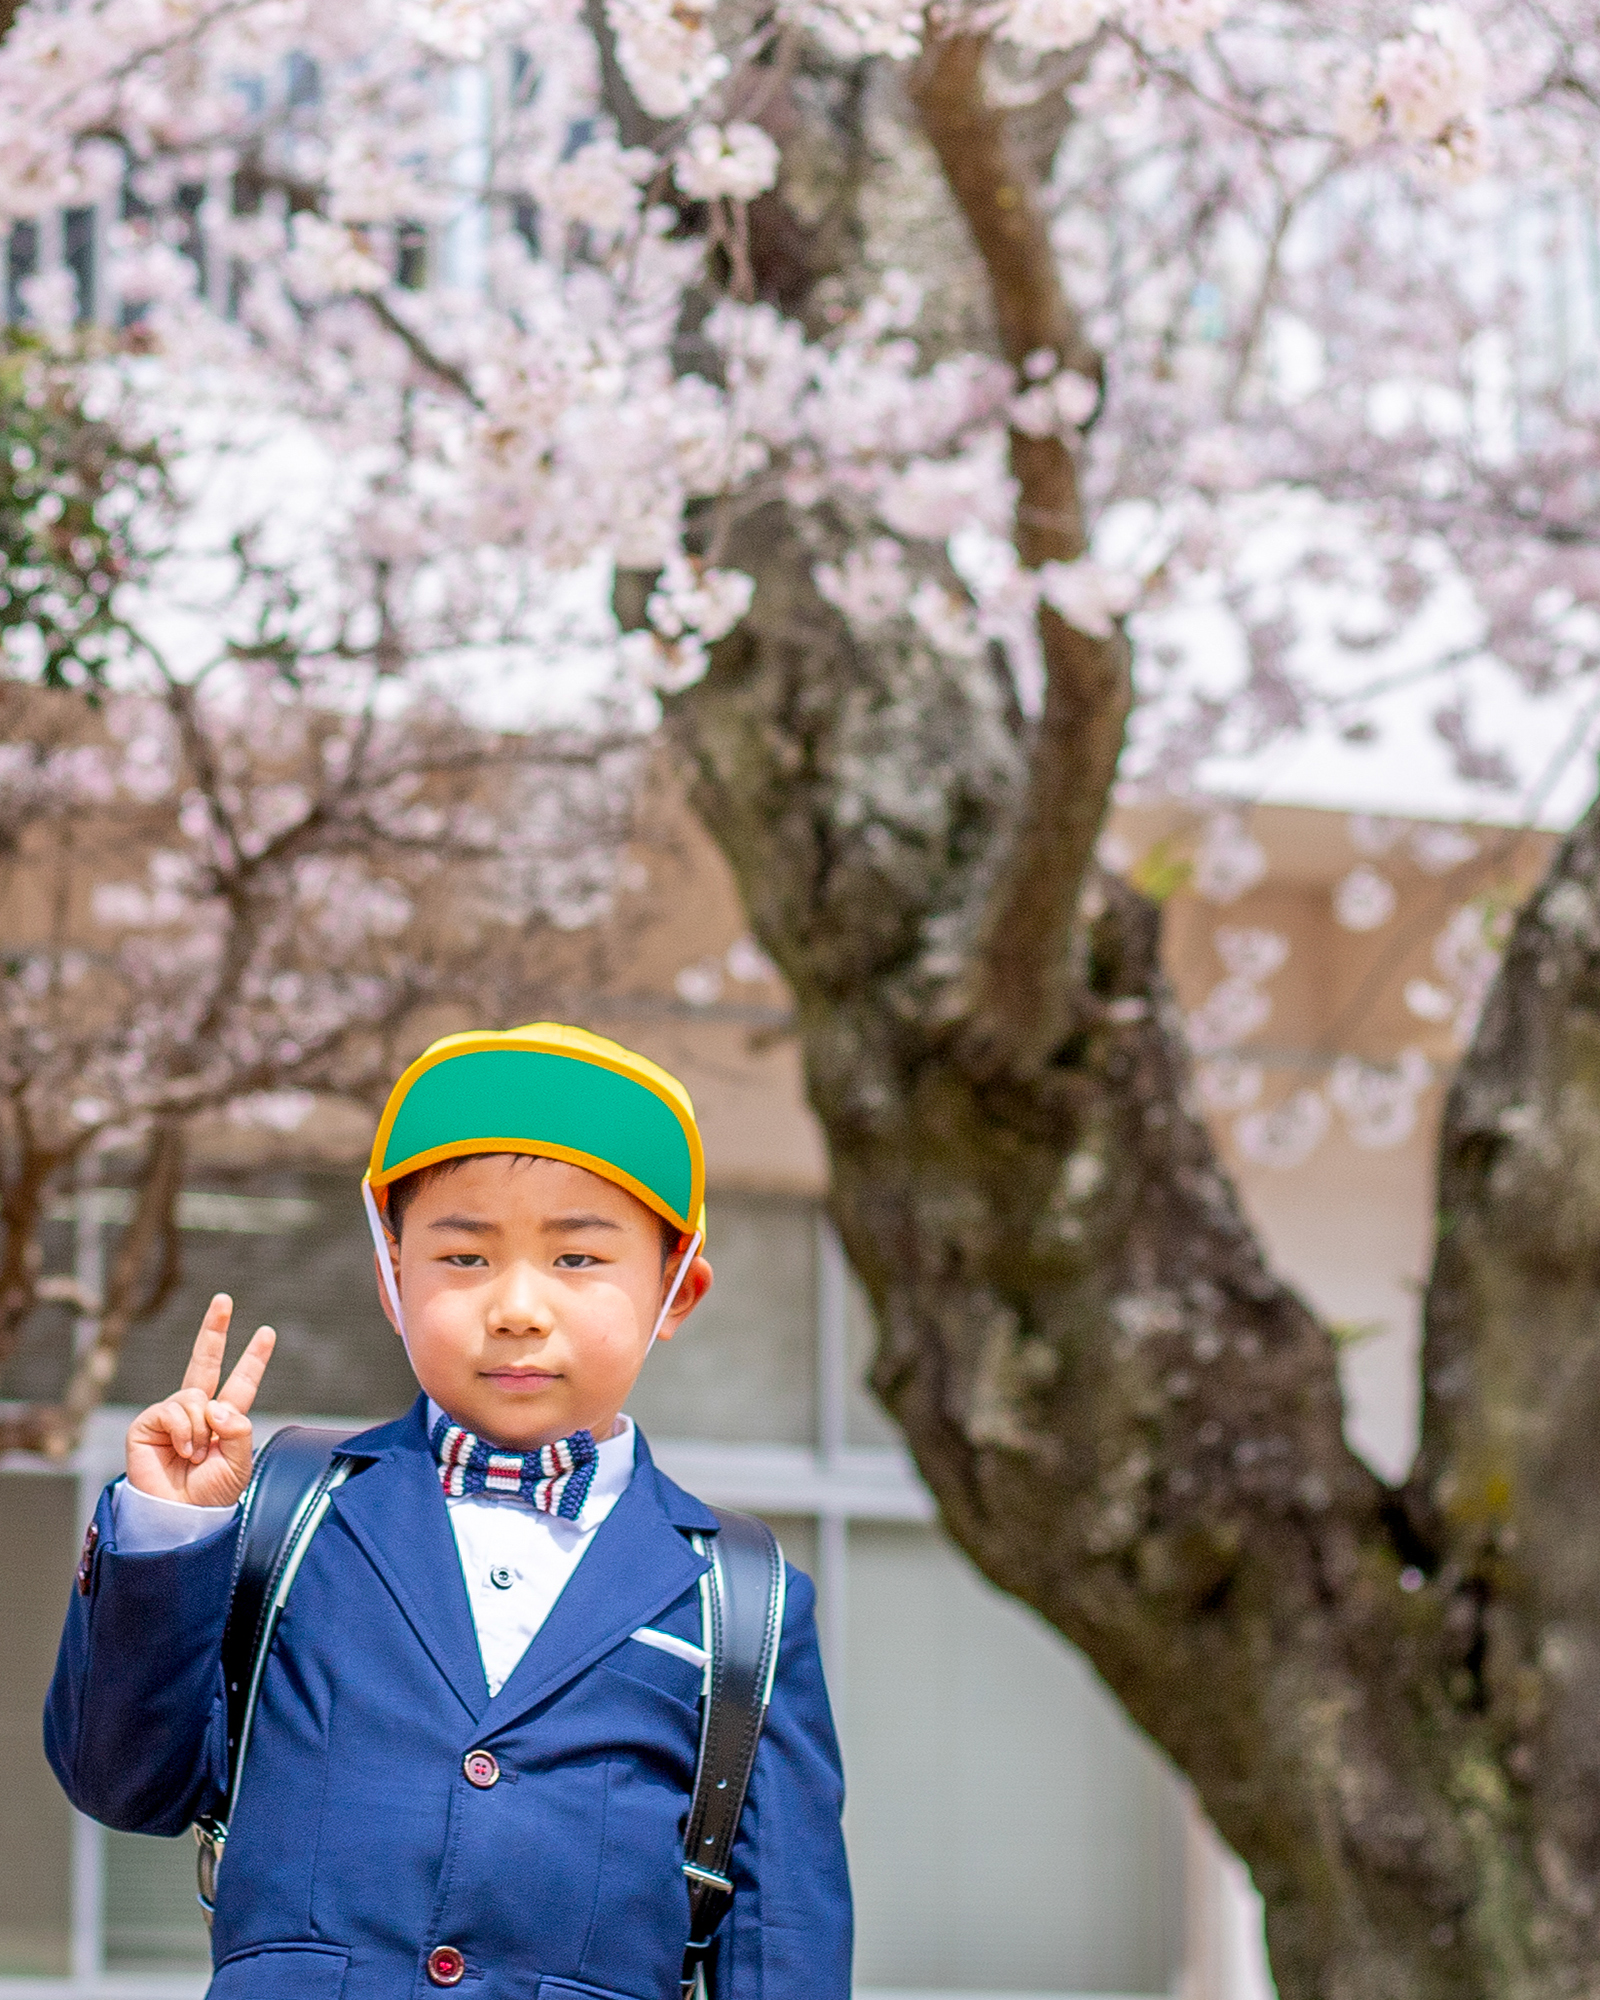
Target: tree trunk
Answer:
pixel 1383 1697
pixel 1127 1421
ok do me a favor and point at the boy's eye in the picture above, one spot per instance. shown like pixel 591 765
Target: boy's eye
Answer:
pixel 467 1260
pixel 575 1260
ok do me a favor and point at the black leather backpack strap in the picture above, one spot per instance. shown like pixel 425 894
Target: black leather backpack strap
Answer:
pixel 741 1599
pixel 294 1475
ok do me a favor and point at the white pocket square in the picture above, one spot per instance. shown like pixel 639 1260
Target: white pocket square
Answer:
pixel 669 1642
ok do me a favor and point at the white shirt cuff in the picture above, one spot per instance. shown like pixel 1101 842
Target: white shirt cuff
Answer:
pixel 147 1525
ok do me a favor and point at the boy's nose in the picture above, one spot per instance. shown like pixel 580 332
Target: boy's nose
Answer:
pixel 520 1304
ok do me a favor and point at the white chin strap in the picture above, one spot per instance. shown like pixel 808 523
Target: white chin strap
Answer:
pixel 684 1262
pixel 380 1243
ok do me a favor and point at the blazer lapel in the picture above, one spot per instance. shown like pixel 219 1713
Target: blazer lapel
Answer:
pixel 394 1509
pixel 636 1565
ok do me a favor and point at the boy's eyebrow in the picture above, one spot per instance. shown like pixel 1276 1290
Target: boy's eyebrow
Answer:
pixel 479 1225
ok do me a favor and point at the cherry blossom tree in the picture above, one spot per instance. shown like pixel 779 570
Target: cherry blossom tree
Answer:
pixel 234 878
pixel 973 410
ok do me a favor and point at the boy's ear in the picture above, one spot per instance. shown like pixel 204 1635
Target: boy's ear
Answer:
pixel 393 1250
pixel 696 1283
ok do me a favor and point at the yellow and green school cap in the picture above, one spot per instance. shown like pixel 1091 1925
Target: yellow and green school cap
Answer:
pixel 554 1091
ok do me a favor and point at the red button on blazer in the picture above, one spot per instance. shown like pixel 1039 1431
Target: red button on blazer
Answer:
pixel 446 1966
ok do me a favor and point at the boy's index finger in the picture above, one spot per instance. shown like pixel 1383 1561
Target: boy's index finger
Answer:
pixel 239 1391
pixel 210 1344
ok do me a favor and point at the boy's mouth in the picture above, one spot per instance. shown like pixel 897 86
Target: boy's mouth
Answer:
pixel 517 1378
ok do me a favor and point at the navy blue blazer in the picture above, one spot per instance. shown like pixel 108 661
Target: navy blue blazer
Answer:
pixel 358 1846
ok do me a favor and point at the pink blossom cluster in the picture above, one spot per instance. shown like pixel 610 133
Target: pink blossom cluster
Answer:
pixel 250 890
pixel 526 396
pixel 435 324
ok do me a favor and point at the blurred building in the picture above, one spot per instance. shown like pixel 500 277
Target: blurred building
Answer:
pixel 1010 1831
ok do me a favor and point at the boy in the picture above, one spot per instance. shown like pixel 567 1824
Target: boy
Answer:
pixel 476 1736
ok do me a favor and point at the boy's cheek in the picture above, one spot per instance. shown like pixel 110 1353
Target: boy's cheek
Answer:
pixel 443 1326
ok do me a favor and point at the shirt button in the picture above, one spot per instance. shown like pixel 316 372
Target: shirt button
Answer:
pixel 500 1578
pixel 446 1966
pixel 482 1769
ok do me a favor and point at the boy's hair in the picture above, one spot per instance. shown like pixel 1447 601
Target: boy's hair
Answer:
pixel 403 1192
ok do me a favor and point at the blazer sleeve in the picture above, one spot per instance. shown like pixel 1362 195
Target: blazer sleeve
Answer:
pixel 788 1935
pixel 135 1726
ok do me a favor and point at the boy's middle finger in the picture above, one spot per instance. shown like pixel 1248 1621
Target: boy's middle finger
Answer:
pixel 240 1388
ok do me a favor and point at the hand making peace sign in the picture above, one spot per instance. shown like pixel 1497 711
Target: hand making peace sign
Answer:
pixel 195 1447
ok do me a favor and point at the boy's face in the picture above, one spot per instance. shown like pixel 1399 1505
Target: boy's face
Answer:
pixel 529 1289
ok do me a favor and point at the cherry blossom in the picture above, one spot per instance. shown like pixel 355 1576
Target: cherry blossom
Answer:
pixel 709 602
pixel 699 985
pixel 1229 860
pixel 668 52
pixel 1057 405
pixel 1428 87
pixel 1176 24
pixel 1052 24
pixel 748 964
pixel 737 160
pixel 1380 1104
pixel 870 585
pixel 1250 953
pixel 327 258
pixel 1229 1083
pixel 1286 1135
pixel 1439 849
pixel 1364 900
pixel 599 186
pixel 854 28
pixel 1372 834
pixel 1086 595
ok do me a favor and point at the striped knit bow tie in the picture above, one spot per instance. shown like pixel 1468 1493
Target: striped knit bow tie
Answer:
pixel 555 1478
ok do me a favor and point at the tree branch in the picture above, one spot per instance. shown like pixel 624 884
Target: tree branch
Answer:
pixel 1021 999
pixel 21 1212
pixel 54 1429
pixel 420 349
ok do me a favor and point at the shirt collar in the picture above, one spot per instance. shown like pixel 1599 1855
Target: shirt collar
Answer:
pixel 612 1472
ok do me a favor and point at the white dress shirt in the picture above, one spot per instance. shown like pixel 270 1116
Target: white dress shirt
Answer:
pixel 515 1560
